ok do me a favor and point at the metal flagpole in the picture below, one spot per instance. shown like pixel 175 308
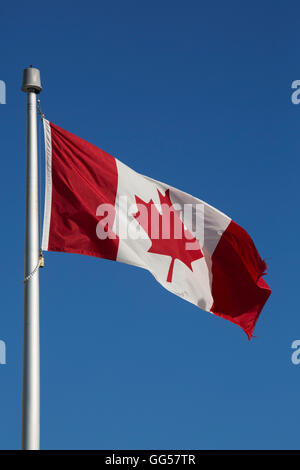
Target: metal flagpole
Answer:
pixel 31 335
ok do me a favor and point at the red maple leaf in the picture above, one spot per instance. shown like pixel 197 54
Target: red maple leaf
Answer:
pixel 168 235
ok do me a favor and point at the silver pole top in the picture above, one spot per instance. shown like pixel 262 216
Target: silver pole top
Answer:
pixel 31 80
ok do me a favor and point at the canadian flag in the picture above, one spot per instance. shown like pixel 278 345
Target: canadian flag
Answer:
pixel 95 205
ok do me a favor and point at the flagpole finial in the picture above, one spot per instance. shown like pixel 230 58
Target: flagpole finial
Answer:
pixel 31 80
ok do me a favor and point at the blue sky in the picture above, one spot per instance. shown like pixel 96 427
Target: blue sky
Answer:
pixel 195 94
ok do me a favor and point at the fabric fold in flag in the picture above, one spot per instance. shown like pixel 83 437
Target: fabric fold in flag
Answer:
pixel 95 205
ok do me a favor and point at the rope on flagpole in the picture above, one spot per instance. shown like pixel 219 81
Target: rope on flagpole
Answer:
pixel 41 262
pixel 42 115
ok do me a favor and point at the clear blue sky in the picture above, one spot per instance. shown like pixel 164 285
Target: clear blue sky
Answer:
pixel 195 94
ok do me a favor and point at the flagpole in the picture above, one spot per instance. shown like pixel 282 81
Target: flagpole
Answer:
pixel 31 328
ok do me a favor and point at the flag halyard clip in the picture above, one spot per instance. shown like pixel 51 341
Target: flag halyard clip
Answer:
pixel 41 264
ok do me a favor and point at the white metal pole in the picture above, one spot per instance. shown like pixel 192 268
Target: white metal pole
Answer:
pixel 31 333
